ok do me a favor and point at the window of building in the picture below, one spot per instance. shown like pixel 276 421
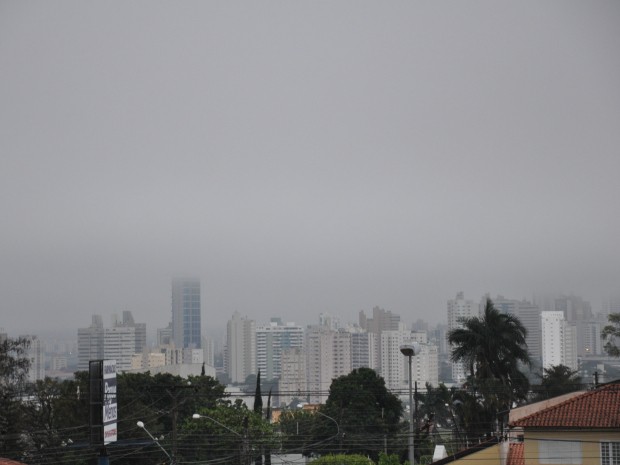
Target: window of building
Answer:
pixel 560 452
pixel 610 453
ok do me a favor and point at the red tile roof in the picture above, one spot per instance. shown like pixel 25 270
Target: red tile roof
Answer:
pixel 599 408
pixel 9 462
pixel 515 454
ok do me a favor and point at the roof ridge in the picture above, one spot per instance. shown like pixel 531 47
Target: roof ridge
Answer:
pixel 577 398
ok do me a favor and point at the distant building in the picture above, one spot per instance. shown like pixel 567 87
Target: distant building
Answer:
pixel 116 343
pixel 293 375
pixel 381 320
pixel 559 341
pixel 271 340
pixel 529 316
pixel 186 313
pixel 240 348
pixel 364 350
pixel 36 356
pixel 458 310
pixel 328 357
pixel 589 341
pixel 395 366
pixel 393 362
pixel 574 308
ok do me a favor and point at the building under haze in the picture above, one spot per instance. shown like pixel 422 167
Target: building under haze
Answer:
pixel 559 340
pixel 271 340
pixel 186 313
pixel 458 310
pixel 119 342
pixel 240 355
pixel 529 316
pixel 328 357
pixel 36 357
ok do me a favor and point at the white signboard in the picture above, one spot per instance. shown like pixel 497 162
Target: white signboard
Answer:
pixel 110 409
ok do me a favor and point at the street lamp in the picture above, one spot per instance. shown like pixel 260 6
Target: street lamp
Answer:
pixel 141 425
pixel 337 430
pixel 246 441
pixel 409 350
pixel 197 416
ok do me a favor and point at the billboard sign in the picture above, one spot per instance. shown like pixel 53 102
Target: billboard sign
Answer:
pixel 110 408
pixel 103 405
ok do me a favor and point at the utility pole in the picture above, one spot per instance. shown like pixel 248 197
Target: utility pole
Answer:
pixel 174 394
pixel 247 456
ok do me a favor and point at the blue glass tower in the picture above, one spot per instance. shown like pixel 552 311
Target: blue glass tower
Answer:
pixel 186 329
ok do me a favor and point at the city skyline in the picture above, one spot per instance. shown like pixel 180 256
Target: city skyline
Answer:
pixel 304 157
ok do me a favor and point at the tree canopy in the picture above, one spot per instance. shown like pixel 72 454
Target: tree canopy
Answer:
pixel 555 381
pixel 611 334
pixel 492 347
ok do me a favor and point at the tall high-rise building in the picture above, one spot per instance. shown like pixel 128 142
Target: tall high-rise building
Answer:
pixel 36 356
pixel 271 340
pixel 559 341
pixel 364 351
pixel 240 348
pixel 328 357
pixel 186 312
pixel 458 310
pixel 393 363
pixel 394 366
pixel 292 376
pixel 381 321
pixel 120 342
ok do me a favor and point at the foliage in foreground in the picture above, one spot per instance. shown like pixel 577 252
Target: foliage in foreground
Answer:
pixel 341 459
pixel 611 334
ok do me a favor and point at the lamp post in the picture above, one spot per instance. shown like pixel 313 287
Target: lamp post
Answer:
pixel 245 438
pixel 337 429
pixel 409 350
pixel 141 425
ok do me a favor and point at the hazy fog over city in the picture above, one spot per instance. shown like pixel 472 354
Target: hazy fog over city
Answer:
pixel 304 157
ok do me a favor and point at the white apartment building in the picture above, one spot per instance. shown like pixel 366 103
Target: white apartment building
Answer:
pixel 271 340
pixel 117 343
pixel 393 362
pixel 240 348
pixel 395 366
pixel 292 376
pixel 459 309
pixel 36 356
pixel 364 350
pixel 328 357
pixel 559 340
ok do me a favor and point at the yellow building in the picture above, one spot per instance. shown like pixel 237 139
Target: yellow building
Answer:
pixel 584 430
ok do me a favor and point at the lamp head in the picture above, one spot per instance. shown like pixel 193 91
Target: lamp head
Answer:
pixel 196 416
pixel 140 424
pixel 410 349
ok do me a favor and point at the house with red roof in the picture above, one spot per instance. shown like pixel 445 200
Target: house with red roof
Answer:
pixel 584 429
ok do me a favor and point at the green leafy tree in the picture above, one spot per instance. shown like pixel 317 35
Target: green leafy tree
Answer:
pixel 555 381
pixel 610 335
pixel 297 427
pixel 365 412
pixel 385 459
pixel 492 346
pixel 163 402
pixel 14 365
pixel 229 432
pixel 341 459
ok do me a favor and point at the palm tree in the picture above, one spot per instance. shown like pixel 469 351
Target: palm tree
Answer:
pixel 492 346
pixel 557 380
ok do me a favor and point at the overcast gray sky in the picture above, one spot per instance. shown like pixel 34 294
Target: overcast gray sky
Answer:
pixel 304 157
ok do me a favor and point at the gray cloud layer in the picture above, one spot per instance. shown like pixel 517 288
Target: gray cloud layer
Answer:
pixel 303 157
